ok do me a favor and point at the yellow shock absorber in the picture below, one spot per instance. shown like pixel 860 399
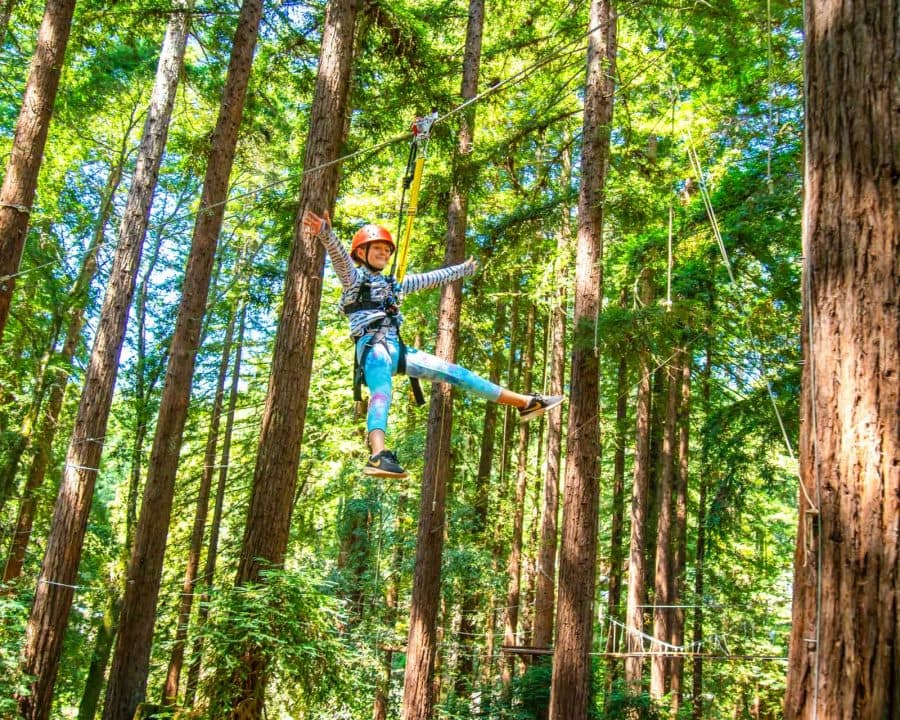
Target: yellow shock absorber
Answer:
pixel 403 257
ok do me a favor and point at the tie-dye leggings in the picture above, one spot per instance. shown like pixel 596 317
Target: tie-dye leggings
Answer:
pixel 381 366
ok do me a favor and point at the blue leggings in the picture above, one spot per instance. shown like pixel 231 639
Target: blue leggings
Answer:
pixel 381 366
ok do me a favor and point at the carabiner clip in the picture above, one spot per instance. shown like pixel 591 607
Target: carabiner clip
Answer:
pixel 421 127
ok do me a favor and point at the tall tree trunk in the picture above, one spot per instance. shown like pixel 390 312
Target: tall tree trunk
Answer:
pixel 514 560
pixel 846 620
pixel 131 657
pixel 78 299
pixel 418 698
pixel 617 551
pixel 275 476
pixel 660 667
pixel 53 597
pixel 176 660
pixel 20 180
pixel 700 553
pixel 640 510
pixel 212 551
pixel 109 625
pixel 465 676
pixel 546 561
pixel 657 424
pixel 492 615
pixel 106 635
pixel 570 687
pixel 680 530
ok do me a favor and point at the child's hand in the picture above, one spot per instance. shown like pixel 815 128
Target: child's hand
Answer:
pixel 314 224
pixel 470 265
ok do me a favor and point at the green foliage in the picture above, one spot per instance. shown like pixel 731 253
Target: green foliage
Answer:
pixel 293 624
pixel 13 616
pixel 621 704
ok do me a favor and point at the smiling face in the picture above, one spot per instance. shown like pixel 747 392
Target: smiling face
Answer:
pixel 375 254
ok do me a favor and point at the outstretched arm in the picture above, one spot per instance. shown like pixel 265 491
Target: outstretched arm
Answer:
pixel 320 227
pixel 441 276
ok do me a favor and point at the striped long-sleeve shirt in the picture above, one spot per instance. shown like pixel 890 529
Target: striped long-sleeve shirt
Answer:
pixel 382 286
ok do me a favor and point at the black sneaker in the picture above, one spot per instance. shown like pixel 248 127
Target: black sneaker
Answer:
pixel 384 464
pixel 538 405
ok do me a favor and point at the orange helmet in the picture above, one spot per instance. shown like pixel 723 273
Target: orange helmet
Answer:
pixel 370 234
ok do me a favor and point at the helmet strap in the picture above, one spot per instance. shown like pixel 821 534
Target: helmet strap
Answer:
pixel 365 259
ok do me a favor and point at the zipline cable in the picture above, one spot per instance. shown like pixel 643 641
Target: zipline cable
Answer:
pixel 714 224
pixel 513 79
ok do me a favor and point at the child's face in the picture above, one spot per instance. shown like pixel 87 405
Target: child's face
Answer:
pixel 379 255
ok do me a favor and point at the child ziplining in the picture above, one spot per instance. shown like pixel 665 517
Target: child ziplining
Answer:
pixel 371 301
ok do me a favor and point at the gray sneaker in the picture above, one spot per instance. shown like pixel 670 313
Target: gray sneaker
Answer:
pixel 538 405
pixel 384 464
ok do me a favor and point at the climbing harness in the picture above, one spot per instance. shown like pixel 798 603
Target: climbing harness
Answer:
pixel 377 334
pixel 412 181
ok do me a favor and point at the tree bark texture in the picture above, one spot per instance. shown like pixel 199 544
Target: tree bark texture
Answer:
pixel 106 632
pixel 700 552
pixel 275 475
pixel 545 587
pixel 617 550
pixel 679 538
pixel 106 635
pixel 844 658
pixel 418 695
pixel 53 597
pixel 570 686
pixel 640 511
pixel 176 659
pixel 20 180
pixel 130 664
pixel 660 666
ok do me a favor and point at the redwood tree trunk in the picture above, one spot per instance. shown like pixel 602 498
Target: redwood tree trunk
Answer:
pixel 275 476
pixel 844 654
pixel 131 657
pixel 418 697
pixel 617 551
pixel 106 631
pixel 570 687
pixel 49 613
pixel 545 589
pixel 514 561
pixel 20 180
pixel 663 575
pixel 176 660
pixel 700 554
pixel 680 531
